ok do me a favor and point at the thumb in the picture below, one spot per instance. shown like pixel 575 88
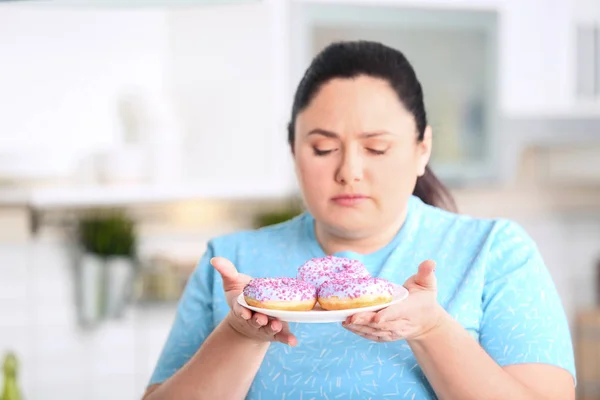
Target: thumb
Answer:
pixel 425 276
pixel 231 276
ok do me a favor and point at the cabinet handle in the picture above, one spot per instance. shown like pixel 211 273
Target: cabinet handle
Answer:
pixel 596 60
pixel 588 61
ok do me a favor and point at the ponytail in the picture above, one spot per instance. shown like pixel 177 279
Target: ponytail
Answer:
pixel 433 192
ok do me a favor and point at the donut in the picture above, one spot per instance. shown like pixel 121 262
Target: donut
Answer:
pixel 288 294
pixel 317 271
pixel 343 293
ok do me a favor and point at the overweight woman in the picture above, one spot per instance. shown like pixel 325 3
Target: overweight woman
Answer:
pixel 483 319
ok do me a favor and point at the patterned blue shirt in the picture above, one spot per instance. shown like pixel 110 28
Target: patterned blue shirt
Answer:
pixel 491 278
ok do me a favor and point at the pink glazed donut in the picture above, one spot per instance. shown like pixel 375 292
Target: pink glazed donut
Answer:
pixel 343 294
pixel 288 294
pixel 317 271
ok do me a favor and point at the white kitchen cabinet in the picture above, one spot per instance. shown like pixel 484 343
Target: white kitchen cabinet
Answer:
pixel 222 67
pixel 453 49
pixel 550 58
pixel 227 70
pixel 538 64
pixel 516 59
pixel 535 58
pixel 586 51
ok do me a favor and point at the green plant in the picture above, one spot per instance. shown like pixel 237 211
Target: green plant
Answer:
pixel 276 217
pixel 110 234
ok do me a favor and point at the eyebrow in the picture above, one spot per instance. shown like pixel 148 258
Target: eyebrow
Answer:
pixel 334 135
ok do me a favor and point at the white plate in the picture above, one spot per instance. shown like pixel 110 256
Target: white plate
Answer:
pixel 318 315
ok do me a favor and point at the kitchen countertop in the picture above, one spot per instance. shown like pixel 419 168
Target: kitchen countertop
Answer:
pixel 83 196
pixel 39 200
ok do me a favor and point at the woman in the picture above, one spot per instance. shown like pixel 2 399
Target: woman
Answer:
pixel 483 319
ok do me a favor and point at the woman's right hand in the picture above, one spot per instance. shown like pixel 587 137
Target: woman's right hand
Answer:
pixel 253 325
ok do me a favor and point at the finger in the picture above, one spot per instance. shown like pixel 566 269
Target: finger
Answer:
pixel 241 312
pixel 391 313
pixel 370 337
pixel 286 337
pixel 272 328
pixel 276 325
pixel 374 337
pixel 361 318
pixel 425 276
pixel 228 272
pixel 258 320
pixel 367 330
pixel 392 326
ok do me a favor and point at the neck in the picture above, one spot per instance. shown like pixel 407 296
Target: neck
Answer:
pixel 333 242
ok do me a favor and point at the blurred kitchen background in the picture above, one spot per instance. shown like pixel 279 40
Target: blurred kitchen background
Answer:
pixel 131 132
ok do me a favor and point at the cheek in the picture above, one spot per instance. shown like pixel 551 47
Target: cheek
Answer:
pixel 311 174
pixel 395 176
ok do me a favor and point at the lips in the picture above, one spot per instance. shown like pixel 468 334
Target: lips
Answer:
pixel 348 200
pixel 350 197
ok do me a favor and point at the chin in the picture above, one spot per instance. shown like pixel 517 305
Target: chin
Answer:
pixel 349 226
pixel 346 221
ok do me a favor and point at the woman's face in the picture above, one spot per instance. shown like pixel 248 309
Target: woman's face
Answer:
pixel 357 156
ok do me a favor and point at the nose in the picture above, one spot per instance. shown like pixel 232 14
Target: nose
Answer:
pixel 351 168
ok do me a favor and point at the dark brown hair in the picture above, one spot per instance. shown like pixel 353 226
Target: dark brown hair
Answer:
pixel 351 59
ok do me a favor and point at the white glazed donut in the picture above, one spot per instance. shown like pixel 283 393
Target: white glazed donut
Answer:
pixel 317 271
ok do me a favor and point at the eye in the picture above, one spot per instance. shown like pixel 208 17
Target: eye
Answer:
pixel 376 152
pixel 319 152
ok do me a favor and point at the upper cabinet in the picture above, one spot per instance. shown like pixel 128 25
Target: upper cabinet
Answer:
pixel 549 58
pixel 454 51
pixel 133 4
pixel 547 51
pixel 129 91
pixel 586 51
pixel 496 73
pixel 227 72
pixel 535 60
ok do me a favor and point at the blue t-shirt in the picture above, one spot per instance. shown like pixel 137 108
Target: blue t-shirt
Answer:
pixel 491 278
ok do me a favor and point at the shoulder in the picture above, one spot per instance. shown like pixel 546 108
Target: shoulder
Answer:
pixel 513 251
pixel 450 226
pixel 501 242
pixel 434 217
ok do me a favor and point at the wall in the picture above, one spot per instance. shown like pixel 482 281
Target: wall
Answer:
pixel 63 71
pixel 221 71
pixel 58 360
pixel 62 74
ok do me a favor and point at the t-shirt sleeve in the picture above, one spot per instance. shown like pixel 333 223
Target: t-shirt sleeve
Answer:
pixel 523 317
pixel 193 321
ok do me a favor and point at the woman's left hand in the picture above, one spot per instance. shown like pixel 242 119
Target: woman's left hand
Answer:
pixel 410 319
